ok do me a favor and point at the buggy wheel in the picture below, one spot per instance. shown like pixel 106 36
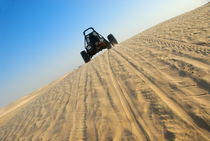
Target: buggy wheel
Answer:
pixel 109 46
pixel 85 56
pixel 112 39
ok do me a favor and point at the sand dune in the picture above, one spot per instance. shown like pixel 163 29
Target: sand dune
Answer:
pixel 152 87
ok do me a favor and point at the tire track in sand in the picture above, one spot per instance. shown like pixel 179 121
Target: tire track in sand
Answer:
pixel 173 106
pixel 164 76
pixel 102 95
pixel 108 94
pixel 142 134
pixel 201 50
pixel 78 131
pixel 197 61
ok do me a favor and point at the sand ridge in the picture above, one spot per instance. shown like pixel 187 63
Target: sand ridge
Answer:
pixel 154 86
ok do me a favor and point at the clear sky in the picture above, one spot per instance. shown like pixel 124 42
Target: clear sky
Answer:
pixel 41 40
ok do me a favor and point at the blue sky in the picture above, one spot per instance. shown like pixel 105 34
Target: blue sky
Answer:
pixel 41 40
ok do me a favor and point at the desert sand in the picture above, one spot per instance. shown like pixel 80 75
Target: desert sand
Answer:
pixel 154 86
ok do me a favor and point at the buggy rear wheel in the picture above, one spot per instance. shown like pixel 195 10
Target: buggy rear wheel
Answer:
pixel 85 56
pixel 112 39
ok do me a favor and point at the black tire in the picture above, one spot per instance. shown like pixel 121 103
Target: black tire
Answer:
pixel 85 56
pixel 109 46
pixel 112 39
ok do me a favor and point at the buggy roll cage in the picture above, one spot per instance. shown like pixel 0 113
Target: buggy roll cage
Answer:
pixel 87 30
pixel 93 30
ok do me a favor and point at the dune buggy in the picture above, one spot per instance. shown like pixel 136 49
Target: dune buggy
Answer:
pixel 94 43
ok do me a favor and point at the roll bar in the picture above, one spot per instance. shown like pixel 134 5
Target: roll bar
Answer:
pixel 88 29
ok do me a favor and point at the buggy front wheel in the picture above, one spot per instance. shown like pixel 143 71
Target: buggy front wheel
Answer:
pixel 85 56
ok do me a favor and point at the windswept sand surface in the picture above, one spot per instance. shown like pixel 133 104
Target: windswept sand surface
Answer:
pixel 152 87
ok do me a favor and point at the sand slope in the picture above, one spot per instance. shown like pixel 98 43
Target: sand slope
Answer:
pixel 154 86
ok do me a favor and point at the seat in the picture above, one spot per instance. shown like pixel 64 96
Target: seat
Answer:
pixel 93 38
